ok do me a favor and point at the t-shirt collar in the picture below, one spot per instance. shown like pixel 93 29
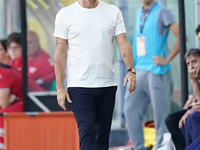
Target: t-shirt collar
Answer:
pixel 89 9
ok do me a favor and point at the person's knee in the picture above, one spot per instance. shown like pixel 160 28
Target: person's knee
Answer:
pixel 86 128
pixel 169 120
pixel 195 116
pixel 198 140
pixel 131 112
pixel 126 110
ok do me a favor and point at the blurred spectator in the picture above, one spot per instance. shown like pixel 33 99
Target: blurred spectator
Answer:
pixel 172 121
pixel 4 58
pixel 40 65
pixel 152 63
pixel 198 32
pixel 190 121
pixel 10 93
pixel 10 83
pixel 184 118
pixel 15 54
pixel 15 50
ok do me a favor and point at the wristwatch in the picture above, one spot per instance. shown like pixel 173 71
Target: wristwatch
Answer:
pixel 132 70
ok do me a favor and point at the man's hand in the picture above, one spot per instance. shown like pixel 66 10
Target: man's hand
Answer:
pixel 196 105
pixel 194 74
pixel 130 77
pixel 187 104
pixel 159 61
pixel 62 94
pixel 183 119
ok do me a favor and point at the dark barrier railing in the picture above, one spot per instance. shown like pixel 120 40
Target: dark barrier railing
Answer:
pixel 24 51
pixel 184 77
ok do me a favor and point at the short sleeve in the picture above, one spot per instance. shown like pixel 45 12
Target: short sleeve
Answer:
pixel 166 17
pixel 119 26
pixel 5 79
pixel 60 26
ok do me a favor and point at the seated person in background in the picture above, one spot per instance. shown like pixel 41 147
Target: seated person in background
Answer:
pixel 14 50
pixel 4 58
pixel 10 83
pixel 174 121
pixel 40 65
pixel 190 122
pixel 10 94
pixel 198 32
pixel 15 53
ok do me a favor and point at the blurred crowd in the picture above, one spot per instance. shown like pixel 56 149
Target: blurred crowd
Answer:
pixel 40 67
pixel 41 76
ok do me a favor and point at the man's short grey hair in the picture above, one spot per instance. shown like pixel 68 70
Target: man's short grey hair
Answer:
pixel 193 51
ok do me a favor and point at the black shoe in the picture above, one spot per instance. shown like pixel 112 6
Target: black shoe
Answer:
pixel 149 148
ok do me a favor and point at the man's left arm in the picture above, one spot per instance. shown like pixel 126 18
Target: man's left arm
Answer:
pixel 164 61
pixel 127 56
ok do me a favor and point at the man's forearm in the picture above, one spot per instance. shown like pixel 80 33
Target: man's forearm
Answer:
pixel 60 64
pixel 125 50
pixel 174 28
pixel 196 90
pixel 60 68
pixel 127 55
pixel 174 51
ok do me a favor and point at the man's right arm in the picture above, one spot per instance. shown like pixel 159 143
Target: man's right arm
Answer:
pixel 60 61
pixel 60 64
pixel 188 102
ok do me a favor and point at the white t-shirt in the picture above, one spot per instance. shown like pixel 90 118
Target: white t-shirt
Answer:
pixel 90 34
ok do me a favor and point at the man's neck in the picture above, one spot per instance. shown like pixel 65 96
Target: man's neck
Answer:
pixel 146 5
pixel 35 54
pixel 89 3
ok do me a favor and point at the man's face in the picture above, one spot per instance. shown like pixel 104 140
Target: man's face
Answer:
pixel 3 53
pixel 33 45
pixel 193 62
pixel 14 50
pixel 146 1
pixel 198 34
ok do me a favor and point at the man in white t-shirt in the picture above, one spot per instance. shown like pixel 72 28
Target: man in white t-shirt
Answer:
pixel 87 30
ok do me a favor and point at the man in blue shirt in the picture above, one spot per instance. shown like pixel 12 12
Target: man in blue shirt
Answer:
pixel 153 22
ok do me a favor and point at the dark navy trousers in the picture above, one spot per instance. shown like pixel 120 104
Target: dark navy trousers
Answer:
pixel 172 122
pixel 191 131
pixel 93 109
